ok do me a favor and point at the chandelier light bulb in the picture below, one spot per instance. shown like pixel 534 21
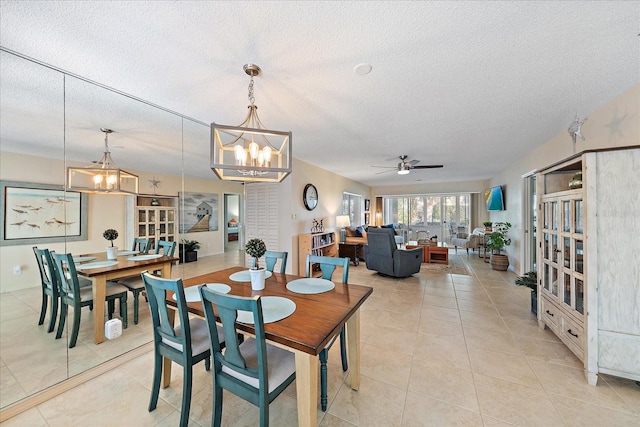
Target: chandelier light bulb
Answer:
pixel 253 149
pixel 267 155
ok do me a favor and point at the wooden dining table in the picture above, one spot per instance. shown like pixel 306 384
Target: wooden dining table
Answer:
pixel 316 320
pixel 124 268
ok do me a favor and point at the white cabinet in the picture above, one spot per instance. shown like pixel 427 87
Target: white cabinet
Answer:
pixel 589 270
pixel 157 221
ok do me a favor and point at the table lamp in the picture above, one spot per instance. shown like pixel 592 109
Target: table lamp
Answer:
pixel 342 221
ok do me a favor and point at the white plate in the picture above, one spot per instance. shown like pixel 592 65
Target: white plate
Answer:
pixel 192 294
pixel 144 257
pixel 78 259
pixel 273 309
pixel 245 276
pixel 98 264
pixel 311 285
pixel 125 253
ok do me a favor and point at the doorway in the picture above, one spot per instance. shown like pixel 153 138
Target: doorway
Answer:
pixel 232 222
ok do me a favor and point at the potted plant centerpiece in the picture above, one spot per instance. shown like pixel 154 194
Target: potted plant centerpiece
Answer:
pixel 110 234
pixel 487 225
pixel 256 248
pixel 496 241
pixel 530 280
pixel 189 250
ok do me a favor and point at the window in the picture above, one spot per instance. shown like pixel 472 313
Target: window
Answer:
pixel 352 206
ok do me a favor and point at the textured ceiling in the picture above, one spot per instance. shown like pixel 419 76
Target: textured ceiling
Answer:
pixel 471 85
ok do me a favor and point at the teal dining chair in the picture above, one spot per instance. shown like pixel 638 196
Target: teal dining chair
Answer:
pixel 49 285
pixel 252 369
pixel 141 245
pixel 272 257
pixel 135 283
pixel 71 294
pixel 185 344
pixel 327 267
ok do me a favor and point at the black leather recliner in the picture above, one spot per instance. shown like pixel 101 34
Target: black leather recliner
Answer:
pixel 382 254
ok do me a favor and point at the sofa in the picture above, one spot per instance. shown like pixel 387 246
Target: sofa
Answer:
pixel 381 254
pixel 356 235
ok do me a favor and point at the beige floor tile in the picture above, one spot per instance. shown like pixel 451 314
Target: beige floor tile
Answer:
pixel 502 366
pixel 628 389
pixel 440 313
pixel 330 420
pixel 439 301
pixel 441 292
pixel 405 321
pixel 492 422
pixel 522 329
pixel 553 352
pixel 393 338
pixel 570 382
pixel 476 295
pixel 490 339
pixel 449 384
pixel 376 404
pixel 437 351
pixel 421 410
pixel 480 307
pixel 442 329
pixel 282 412
pixel 385 364
pixel 515 403
pixel 485 321
pixel 30 418
pixel 580 413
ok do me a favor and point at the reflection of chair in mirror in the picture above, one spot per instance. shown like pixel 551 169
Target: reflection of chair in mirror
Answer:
pixel 135 283
pixel 328 266
pixel 71 294
pixel 271 257
pixel 253 370
pixel 49 286
pixel 185 344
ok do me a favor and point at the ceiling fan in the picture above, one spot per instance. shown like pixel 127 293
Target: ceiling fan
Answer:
pixel 404 166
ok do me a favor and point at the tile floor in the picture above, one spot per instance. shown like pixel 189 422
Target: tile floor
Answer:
pixel 437 349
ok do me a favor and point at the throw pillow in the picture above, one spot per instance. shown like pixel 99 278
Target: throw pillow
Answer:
pixel 391 227
pixel 359 231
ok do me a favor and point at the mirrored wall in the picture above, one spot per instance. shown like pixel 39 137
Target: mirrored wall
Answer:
pixel 51 120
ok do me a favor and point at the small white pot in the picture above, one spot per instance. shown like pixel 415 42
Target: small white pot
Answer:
pixel 257 279
pixel 112 252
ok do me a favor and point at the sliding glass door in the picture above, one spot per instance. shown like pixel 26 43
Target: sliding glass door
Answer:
pixel 426 215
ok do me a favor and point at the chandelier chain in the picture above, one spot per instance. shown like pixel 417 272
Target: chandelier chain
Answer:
pixel 251 97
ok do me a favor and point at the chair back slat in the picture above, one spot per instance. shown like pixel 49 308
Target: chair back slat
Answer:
pixel 47 270
pixel 328 266
pixel 157 289
pixel 141 245
pixel 168 248
pixel 271 257
pixel 67 275
pixel 227 307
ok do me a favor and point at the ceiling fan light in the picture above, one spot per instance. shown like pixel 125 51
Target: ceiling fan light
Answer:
pixel 403 171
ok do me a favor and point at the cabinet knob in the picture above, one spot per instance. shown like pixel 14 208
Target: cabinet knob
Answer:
pixel 549 313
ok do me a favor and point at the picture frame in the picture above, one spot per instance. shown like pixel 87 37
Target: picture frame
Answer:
pixel 35 213
pixel 366 218
pixel 198 212
pixel 367 205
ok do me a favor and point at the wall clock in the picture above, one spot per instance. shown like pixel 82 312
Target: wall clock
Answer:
pixel 310 197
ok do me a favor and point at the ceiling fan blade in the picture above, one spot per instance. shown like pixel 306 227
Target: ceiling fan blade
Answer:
pixel 386 167
pixel 427 166
pixel 390 170
pixel 413 162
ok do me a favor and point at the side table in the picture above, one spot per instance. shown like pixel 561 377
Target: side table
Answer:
pixel 353 251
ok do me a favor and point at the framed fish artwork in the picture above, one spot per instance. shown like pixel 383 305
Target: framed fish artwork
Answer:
pixel 41 213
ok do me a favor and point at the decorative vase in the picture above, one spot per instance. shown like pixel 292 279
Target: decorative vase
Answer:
pixel 499 262
pixel 112 252
pixel 257 279
pixel 576 181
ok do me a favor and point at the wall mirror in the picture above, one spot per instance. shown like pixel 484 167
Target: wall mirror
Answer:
pixel 51 120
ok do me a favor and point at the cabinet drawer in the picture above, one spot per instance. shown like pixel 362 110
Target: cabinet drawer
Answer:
pixel 550 314
pixel 572 332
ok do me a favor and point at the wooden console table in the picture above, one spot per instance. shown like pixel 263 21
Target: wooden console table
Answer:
pixel 353 251
pixel 433 254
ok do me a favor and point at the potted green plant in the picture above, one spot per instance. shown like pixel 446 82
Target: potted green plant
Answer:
pixel 110 234
pixel 530 280
pixel 496 242
pixel 189 250
pixel 487 225
pixel 256 248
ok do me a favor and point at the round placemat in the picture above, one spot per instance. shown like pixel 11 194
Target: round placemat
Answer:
pixel 144 257
pixel 310 285
pixel 273 309
pixel 125 253
pixel 99 264
pixel 245 276
pixel 192 293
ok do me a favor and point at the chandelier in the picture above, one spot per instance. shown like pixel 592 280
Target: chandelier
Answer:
pixel 106 177
pixel 249 152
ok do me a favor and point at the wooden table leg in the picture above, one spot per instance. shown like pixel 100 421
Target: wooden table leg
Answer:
pixel 166 362
pixel 99 291
pixel 166 270
pixel 353 344
pixel 307 389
